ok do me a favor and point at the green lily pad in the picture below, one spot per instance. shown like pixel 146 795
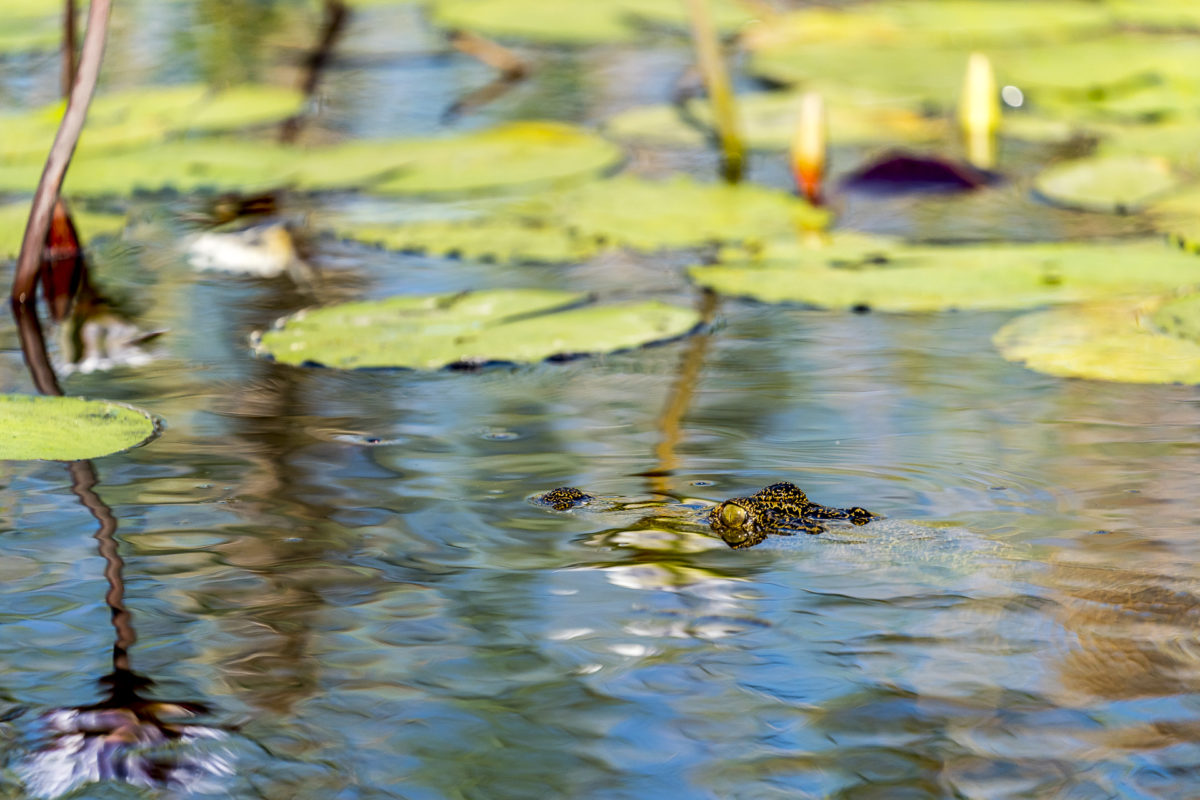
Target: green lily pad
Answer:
pixel 962 23
pixel 573 224
pixel 768 122
pixel 147 115
pixel 88 224
pixel 434 331
pixel 1119 184
pixel 516 155
pixel 30 25
pixel 1160 14
pixel 1178 142
pixel 591 22
pixel 1112 342
pixel 924 278
pixel 1180 317
pixel 513 155
pixel 653 215
pixel 500 239
pixel 33 427
pixel 1178 215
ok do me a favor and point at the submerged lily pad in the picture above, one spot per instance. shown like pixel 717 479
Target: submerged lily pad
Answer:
pixel 591 22
pixel 926 278
pixel 69 428
pixel 1178 215
pixel 470 328
pixel 768 122
pixel 518 154
pixel 88 224
pixel 1112 342
pixel 1119 184
pixel 147 115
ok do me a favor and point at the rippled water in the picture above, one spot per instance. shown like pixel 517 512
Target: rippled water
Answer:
pixel 344 567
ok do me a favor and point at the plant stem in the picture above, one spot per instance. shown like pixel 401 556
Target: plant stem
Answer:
pixel 720 91
pixel 68 47
pixel 25 279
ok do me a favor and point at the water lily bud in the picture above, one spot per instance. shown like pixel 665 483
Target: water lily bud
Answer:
pixel 979 111
pixel 808 147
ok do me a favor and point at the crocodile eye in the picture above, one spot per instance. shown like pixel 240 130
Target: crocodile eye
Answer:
pixel 733 515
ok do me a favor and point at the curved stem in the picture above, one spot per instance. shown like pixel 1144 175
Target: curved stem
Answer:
pixel 25 279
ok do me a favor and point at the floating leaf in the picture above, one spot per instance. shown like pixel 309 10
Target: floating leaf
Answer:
pixel 1163 14
pixel 147 115
pixel 925 278
pixel 651 215
pixel 1179 215
pixel 1115 342
pixel 433 331
pixel 1178 142
pixel 69 428
pixel 489 238
pixel 590 22
pixel 519 154
pixel 512 155
pixel 1119 184
pixel 14 216
pixel 962 23
pixel 768 122
pixel 1180 317
pixel 30 25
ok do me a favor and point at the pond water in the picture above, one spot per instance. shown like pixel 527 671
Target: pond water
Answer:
pixel 345 569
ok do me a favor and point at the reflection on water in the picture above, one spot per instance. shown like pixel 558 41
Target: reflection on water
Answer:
pixel 345 569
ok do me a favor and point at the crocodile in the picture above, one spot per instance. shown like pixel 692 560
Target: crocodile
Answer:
pixel 781 509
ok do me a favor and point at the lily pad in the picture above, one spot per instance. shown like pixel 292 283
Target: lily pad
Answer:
pixel 962 23
pixel 1178 142
pixel 1179 215
pixel 470 328
pixel 1119 184
pixel 768 122
pixel 925 278
pixel 652 215
pixel 518 154
pixel 1111 342
pixel 69 428
pixel 591 22
pixel 30 25
pixel 1180 317
pixel 489 238
pixel 88 224
pixel 1161 14
pixel 513 155
pixel 147 115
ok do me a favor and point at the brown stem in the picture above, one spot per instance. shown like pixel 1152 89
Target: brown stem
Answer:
pixel 33 347
pixel 83 484
pixel 25 279
pixel 335 19
pixel 68 47
pixel 670 422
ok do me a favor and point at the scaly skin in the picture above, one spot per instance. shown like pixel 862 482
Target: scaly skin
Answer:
pixel 781 509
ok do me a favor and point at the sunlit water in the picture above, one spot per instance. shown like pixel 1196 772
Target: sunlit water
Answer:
pixel 345 567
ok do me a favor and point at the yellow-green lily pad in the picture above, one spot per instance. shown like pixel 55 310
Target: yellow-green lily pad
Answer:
pixel 1180 317
pixel 768 122
pixel 681 212
pixel 515 155
pixel 1110 342
pixel 1178 214
pixel 576 23
pixel 469 328
pixel 1119 184
pixel 962 23
pixel 926 278
pixel 502 239
pixel 1178 142
pixel 30 25
pixel 147 115
pixel 88 224
pixel 1160 14
pixel 35 427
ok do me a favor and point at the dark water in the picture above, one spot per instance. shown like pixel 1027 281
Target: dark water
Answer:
pixel 345 569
